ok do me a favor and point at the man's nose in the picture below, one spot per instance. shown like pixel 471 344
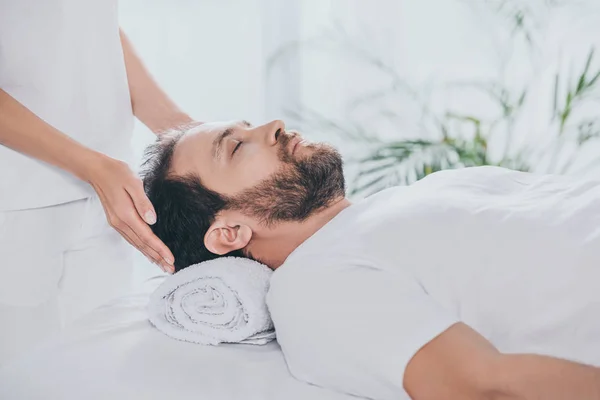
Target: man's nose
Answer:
pixel 273 131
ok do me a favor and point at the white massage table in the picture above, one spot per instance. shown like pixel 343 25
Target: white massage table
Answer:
pixel 115 353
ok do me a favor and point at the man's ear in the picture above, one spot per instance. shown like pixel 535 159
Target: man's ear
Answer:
pixel 223 237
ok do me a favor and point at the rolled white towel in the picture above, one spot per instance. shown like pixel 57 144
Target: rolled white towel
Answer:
pixel 216 301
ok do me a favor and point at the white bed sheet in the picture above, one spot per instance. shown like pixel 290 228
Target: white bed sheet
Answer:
pixel 115 353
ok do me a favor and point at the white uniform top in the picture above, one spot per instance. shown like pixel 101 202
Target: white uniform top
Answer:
pixel 513 255
pixel 63 60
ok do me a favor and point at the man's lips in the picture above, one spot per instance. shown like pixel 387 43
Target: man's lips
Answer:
pixel 294 143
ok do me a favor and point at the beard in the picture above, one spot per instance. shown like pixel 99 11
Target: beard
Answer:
pixel 304 186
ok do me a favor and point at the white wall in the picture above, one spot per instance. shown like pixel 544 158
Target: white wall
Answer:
pixel 206 54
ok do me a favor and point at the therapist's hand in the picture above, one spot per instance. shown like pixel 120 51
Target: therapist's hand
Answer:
pixel 127 208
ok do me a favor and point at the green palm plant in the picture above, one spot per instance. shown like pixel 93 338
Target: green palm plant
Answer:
pixel 449 139
pixel 384 163
pixel 522 17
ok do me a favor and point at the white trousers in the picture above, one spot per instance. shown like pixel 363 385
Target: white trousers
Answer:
pixel 56 264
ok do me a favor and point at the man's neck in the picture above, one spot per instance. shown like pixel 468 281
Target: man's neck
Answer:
pixel 273 246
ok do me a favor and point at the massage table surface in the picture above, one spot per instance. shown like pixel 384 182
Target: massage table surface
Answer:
pixel 115 353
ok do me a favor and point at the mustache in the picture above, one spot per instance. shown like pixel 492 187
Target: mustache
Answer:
pixel 283 143
pixel 285 138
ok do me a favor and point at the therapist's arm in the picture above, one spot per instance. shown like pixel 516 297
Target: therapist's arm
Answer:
pixel 462 364
pixel 119 189
pixel 150 103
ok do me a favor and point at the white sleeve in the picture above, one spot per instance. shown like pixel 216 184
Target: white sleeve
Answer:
pixel 355 329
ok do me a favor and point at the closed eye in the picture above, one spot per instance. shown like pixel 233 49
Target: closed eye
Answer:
pixel 237 146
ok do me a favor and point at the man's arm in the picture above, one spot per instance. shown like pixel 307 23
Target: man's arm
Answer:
pixel 150 103
pixel 120 191
pixel 462 364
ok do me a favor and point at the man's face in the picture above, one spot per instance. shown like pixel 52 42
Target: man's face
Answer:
pixel 264 171
pixel 230 157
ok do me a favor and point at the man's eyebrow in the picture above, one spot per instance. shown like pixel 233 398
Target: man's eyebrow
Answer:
pixel 246 123
pixel 217 146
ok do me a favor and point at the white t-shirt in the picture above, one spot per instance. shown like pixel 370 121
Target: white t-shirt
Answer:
pixel 515 256
pixel 63 60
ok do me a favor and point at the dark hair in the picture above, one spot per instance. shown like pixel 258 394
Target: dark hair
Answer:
pixel 185 208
